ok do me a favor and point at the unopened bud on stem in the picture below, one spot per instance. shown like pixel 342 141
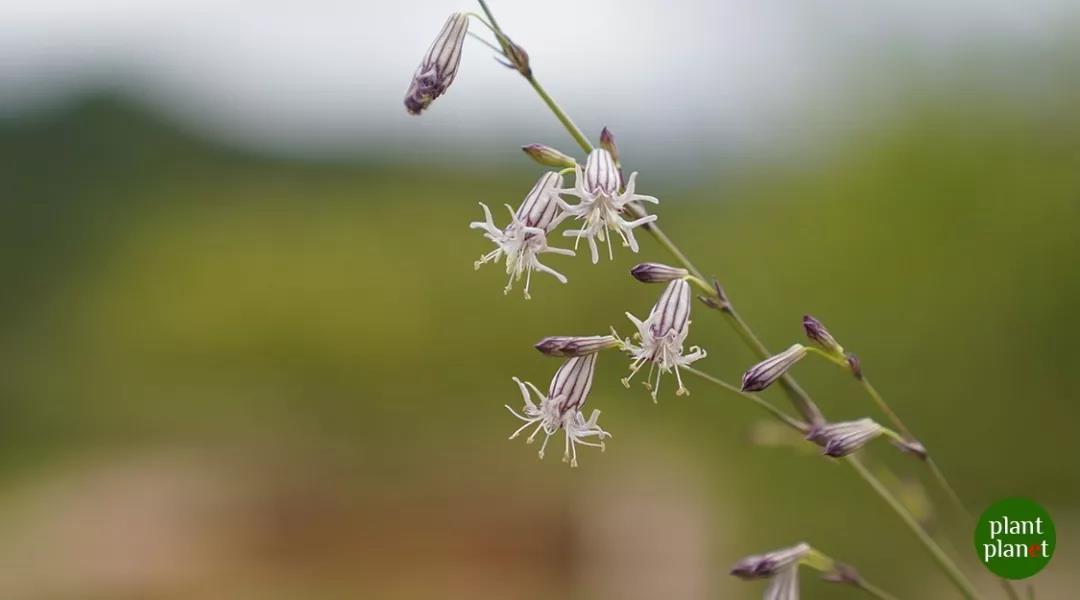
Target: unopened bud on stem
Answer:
pixel 576 345
pixel 439 66
pixel 548 156
pixel 607 142
pixel 842 439
pixel 821 336
pixel 657 273
pixel 763 374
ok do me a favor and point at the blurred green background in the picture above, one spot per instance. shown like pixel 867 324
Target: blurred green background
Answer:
pixel 232 375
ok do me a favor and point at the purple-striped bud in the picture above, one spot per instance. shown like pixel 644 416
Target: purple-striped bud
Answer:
pixel 763 374
pixel 607 142
pixel 657 273
pixel 548 156
pixel 439 66
pixel 821 336
pixel 572 382
pixel 672 310
pixel 770 564
pixel 601 175
pixel 576 345
pixel 541 207
pixel 841 439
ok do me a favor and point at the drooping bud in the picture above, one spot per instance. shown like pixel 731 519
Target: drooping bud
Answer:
pixel 821 336
pixel 842 439
pixel 607 142
pixel 657 273
pixel 763 374
pixel 576 345
pixel 439 66
pixel 540 207
pixel 601 175
pixel 770 564
pixel 548 156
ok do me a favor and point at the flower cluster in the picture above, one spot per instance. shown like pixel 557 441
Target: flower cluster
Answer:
pixel 659 342
pixel 602 203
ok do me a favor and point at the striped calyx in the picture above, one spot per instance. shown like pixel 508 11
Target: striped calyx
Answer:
pixel 439 66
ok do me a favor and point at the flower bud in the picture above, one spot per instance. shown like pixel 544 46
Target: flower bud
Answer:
pixel 519 58
pixel 821 336
pixel 607 142
pixel 439 66
pixel 548 156
pixel 576 345
pixel 771 563
pixel 657 273
pixel 763 374
pixel 842 439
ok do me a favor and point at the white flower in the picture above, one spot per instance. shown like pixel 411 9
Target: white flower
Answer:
pixel 662 336
pixel 561 408
pixel 439 66
pixel 526 236
pixel 602 205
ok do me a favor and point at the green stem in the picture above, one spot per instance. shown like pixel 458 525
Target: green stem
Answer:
pixel 882 405
pixel 873 590
pixel 776 412
pixel 560 114
pixel 931 546
pixel 936 471
pixel 939 555
pixel 885 408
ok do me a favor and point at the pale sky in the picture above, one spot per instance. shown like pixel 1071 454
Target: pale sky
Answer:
pixel 324 76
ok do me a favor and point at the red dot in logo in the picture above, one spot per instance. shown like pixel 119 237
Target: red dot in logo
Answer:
pixel 1035 550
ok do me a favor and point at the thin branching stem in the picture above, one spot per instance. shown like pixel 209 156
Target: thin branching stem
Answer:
pixel 955 574
pixel 756 399
pixel 932 465
pixel 874 590
pixel 928 542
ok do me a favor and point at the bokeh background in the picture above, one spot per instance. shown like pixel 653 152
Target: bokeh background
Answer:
pixel 245 353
